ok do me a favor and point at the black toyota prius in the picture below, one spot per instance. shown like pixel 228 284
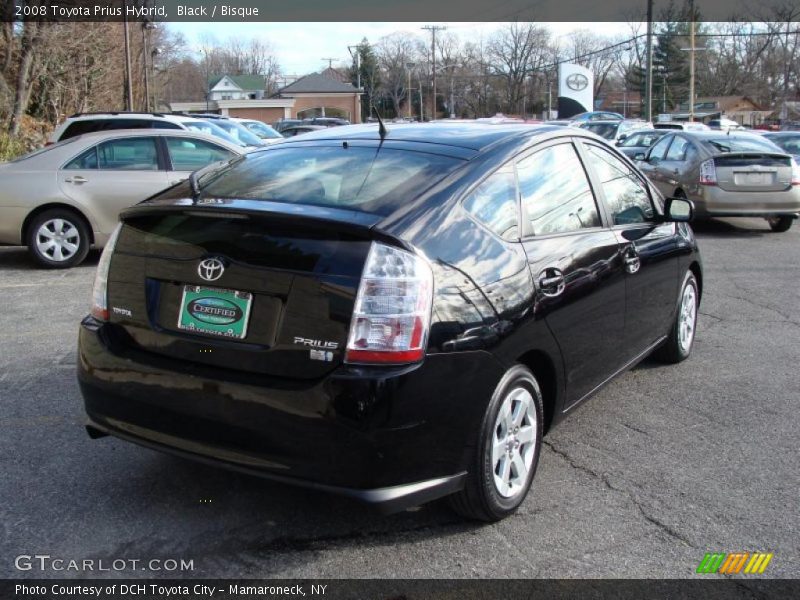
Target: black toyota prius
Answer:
pixel 396 316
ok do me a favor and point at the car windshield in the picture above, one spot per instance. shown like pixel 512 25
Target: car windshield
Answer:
pixel 211 129
pixel 239 132
pixel 263 131
pixel 604 130
pixel 730 143
pixel 374 180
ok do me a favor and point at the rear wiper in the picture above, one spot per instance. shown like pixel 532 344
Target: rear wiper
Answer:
pixel 198 178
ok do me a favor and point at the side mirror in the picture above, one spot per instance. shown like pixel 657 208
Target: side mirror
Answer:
pixel 621 139
pixel 641 156
pixel 679 210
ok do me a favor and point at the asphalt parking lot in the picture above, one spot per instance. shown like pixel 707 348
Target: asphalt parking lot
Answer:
pixel 665 464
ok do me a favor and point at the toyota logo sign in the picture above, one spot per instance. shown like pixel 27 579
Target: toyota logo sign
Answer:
pixel 577 82
pixel 211 269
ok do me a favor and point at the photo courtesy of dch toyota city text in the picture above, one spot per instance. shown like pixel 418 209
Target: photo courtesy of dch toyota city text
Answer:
pixel 381 301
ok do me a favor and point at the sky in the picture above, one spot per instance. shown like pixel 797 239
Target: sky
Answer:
pixel 300 47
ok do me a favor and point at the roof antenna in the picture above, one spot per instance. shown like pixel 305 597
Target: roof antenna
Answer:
pixel 382 131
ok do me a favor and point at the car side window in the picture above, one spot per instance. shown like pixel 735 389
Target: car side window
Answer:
pixel 128 154
pixel 87 160
pixel 691 153
pixel 626 194
pixel 660 147
pixel 494 203
pixel 677 150
pixel 189 154
pixel 556 195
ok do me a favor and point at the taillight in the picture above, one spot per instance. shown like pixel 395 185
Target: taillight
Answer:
pixel 100 289
pixel 795 173
pixel 708 172
pixel 393 308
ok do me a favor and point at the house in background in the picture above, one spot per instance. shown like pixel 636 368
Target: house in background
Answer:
pixel 741 109
pixel 319 94
pixel 236 87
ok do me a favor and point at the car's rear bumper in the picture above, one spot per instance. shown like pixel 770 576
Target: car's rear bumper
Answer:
pixel 393 437
pixel 715 202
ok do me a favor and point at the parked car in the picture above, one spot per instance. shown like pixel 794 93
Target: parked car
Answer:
pixel 282 124
pixel 239 132
pixel 262 130
pixel 379 314
pixel 615 130
pixel 788 141
pixel 595 115
pixel 62 199
pixel 724 124
pixel 727 175
pixel 207 127
pixel 682 125
pixel 81 123
pixel 326 121
pixel 639 141
pixel 300 129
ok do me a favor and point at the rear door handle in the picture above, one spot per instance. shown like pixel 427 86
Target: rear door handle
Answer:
pixel 551 282
pixel 76 179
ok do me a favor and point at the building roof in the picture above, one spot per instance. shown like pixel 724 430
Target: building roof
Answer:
pixel 318 83
pixel 246 82
pixel 723 103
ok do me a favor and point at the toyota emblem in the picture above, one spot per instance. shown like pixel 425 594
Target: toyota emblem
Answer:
pixel 211 269
pixel 577 82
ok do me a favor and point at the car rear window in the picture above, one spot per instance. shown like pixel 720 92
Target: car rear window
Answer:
pixel 92 125
pixel 373 180
pixel 729 143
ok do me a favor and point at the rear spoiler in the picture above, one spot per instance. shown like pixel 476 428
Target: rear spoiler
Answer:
pixel 350 221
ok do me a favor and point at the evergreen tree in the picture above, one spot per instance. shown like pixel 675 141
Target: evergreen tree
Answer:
pixel 368 75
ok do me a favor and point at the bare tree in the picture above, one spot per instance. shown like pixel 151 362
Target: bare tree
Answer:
pixel 394 52
pixel 516 51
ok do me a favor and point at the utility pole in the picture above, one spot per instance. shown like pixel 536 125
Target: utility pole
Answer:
pixel 691 61
pixel 330 61
pixel 128 86
pixel 692 49
pixel 649 74
pixel 433 29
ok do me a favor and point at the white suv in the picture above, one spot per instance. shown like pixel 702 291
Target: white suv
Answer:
pixel 81 123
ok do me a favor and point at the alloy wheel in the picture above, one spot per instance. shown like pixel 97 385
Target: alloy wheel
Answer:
pixel 687 318
pixel 514 442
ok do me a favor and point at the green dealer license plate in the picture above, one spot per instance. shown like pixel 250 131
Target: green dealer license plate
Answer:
pixel 212 311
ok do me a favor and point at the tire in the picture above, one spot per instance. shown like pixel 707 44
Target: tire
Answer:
pixel 780 224
pixel 497 481
pixel 58 239
pixel 680 341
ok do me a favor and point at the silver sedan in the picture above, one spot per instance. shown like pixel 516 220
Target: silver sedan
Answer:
pixel 726 174
pixel 61 200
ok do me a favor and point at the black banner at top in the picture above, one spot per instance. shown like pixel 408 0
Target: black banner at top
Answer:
pixel 244 11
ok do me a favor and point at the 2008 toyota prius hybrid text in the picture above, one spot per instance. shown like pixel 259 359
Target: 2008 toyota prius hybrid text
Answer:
pixel 396 316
